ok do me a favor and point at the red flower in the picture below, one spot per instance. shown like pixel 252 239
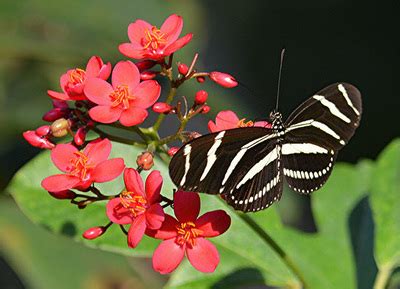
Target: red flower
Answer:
pixel 187 235
pixel 126 99
pixel 147 41
pixel 137 205
pixel 82 168
pixel 73 81
pixel 227 119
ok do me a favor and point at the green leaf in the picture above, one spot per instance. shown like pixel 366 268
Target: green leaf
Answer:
pixel 385 204
pixel 61 217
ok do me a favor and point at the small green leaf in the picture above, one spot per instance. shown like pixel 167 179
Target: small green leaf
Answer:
pixel 61 217
pixel 385 204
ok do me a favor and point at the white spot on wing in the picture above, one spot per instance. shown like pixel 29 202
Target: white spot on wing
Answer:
pixel 211 154
pixel 302 148
pixel 332 108
pixel 186 153
pixel 346 96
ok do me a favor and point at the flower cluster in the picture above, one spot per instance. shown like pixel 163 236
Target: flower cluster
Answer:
pixel 99 99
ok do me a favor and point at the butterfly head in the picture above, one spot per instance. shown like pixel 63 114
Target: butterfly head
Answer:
pixel 276 119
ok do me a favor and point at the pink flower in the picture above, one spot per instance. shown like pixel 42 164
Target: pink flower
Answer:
pixel 138 205
pixel 126 99
pixel 147 41
pixel 37 140
pixel 227 119
pixel 188 235
pixel 82 168
pixel 73 81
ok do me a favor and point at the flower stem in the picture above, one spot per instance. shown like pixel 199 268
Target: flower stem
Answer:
pixel 275 246
pixel 117 138
pixel 383 276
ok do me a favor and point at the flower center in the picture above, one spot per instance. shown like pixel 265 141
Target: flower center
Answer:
pixel 154 38
pixel 243 123
pixel 77 76
pixel 120 95
pixel 135 203
pixel 80 166
pixel 187 233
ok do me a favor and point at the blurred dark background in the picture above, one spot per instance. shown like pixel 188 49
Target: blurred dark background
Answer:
pixel 326 41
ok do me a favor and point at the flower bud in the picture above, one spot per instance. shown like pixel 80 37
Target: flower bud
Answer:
pixel 206 109
pixel 80 136
pixel 62 195
pixel 60 127
pixel 148 75
pixel 162 107
pixel 55 114
pixel 145 64
pixel 200 79
pixel 183 68
pixel 94 232
pixel 43 130
pixel 145 161
pixel 37 141
pixel 223 79
pixel 60 104
pixel 172 151
pixel 201 97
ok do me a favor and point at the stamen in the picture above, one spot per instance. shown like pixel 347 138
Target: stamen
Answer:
pixel 135 203
pixel 187 233
pixel 243 123
pixel 154 38
pixel 77 76
pixel 121 95
pixel 80 165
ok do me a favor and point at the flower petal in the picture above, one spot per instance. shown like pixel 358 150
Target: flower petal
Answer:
pixel 265 124
pixel 186 206
pixel 98 91
pixel 62 155
pixel 213 223
pixel 146 93
pixel 178 44
pixel 60 182
pixel 108 170
pixel 128 49
pixel 137 30
pixel 172 27
pixel 117 213
pixel 167 230
pixel 133 116
pixel 105 114
pixel 203 256
pixel 93 66
pixel 125 73
pixel 136 231
pixel 98 151
pixel 154 183
pixel 167 256
pixel 155 216
pixel 133 181
pixel 226 119
pixel 212 127
pixel 58 95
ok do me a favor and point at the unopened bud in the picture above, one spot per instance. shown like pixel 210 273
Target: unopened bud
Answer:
pixel 162 107
pixel 200 79
pixel 145 161
pixel 148 75
pixel 43 130
pixel 80 136
pixel 205 109
pixel 60 127
pixel 60 104
pixel 201 97
pixel 94 232
pixel 223 79
pixel 145 64
pixel 55 114
pixel 37 141
pixel 183 68
pixel 172 151
pixel 62 195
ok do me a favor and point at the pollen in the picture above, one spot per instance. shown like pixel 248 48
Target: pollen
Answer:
pixel 134 202
pixel 121 95
pixel 243 123
pixel 187 233
pixel 77 76
pixel 154 38
pixel 80 166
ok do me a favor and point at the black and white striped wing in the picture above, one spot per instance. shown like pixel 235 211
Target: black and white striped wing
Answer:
pixel 315 132
pixel 240 164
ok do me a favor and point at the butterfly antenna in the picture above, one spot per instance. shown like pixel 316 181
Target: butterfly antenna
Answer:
pixel 279 79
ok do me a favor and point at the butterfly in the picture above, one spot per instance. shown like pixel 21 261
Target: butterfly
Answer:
pixel 247 165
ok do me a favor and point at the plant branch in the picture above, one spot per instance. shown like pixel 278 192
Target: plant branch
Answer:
pixel 119 139
pixel 278 249
pixel 383 276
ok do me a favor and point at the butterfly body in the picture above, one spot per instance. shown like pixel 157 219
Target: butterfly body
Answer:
pixel 247 165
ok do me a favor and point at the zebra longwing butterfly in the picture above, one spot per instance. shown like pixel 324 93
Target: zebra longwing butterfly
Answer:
pixel 247 165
